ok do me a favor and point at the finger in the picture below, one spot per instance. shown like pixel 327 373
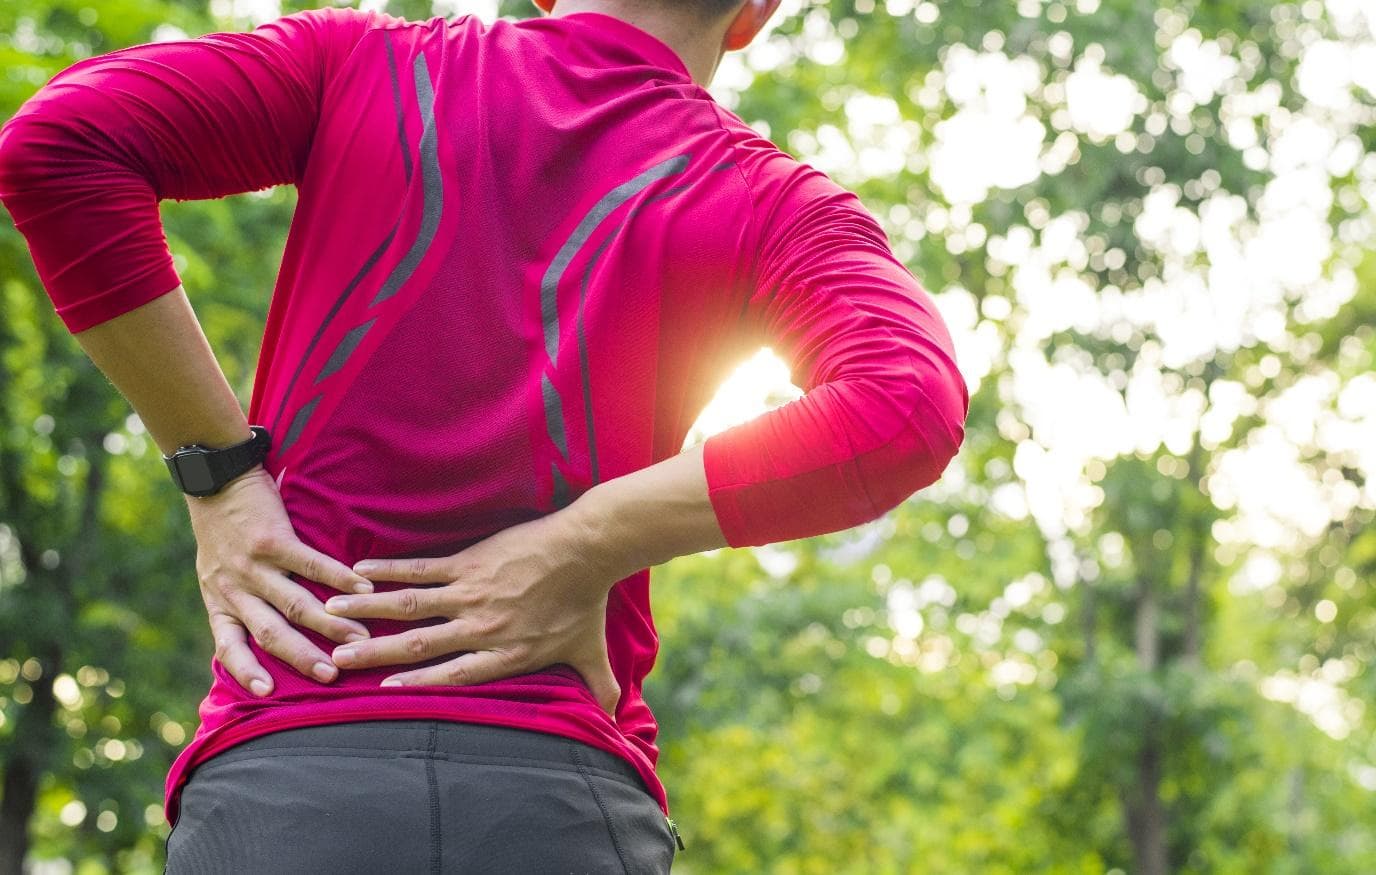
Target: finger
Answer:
pixel 233 652
pixel 301 607
pixel 398 604
pixel 275 635
pixel 413 645
pixel 476 667
pixel 597 674
pixel 314 565
pixel 421 569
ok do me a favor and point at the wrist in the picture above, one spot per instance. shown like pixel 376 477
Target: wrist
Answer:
pixel 203 471
pixel 600 534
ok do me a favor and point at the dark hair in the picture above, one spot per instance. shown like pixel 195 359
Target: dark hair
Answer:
pixel 708 8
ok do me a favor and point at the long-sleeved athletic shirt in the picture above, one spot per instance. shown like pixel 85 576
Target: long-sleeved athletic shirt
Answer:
pixel 523 258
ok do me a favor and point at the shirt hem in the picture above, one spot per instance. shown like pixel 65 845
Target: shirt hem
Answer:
pixel 203 747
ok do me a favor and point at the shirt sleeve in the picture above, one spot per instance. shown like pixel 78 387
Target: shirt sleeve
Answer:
pixel 85 160
pixel 884 406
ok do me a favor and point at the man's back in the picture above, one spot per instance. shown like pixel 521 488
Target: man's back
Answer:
pixel 544 227
pixel 523 258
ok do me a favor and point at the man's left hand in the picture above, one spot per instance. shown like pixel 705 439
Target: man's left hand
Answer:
pixel 522 599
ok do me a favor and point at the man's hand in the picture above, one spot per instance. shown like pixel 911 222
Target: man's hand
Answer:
pixel 245 547
pixel 525 598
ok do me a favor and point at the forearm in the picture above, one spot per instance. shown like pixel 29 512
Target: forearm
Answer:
pixel 159 359
pixel 650 516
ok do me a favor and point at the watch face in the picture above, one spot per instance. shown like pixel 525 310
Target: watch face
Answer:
pixel 195 473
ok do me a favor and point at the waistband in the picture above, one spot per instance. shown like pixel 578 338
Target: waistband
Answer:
pixel 444 739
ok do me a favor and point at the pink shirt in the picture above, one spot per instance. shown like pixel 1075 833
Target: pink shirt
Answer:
pixel 524 257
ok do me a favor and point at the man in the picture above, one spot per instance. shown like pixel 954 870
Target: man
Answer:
pixel 524 255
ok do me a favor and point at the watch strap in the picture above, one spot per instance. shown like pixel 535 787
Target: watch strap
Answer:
pixel 230 462
pixel 200 471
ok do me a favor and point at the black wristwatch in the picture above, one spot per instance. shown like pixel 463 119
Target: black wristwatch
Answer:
pixel 202 471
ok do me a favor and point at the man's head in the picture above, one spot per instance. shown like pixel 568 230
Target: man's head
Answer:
pixel 686 25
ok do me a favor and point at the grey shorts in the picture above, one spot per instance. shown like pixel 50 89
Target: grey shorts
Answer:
pixel 408 797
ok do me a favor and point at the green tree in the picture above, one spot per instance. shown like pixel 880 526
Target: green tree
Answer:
pixel 104 644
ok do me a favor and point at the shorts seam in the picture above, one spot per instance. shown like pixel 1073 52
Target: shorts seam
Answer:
pixel 435 851
pixel 577 758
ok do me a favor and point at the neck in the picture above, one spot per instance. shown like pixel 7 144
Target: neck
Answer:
pixel 698 44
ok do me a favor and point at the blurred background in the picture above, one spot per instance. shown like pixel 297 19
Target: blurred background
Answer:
pixel 1130 630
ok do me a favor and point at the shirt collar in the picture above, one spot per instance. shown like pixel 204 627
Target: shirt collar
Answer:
pixel 647 45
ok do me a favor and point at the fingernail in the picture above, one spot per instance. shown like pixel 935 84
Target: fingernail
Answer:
pixel 344 654
pixel 391 682
pixel 363 586
pixel 324 671
pixel 365 567
pixel 259 686
pixel 338 603
pixel 355 636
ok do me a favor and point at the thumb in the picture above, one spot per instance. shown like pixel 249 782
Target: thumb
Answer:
pixel 597 673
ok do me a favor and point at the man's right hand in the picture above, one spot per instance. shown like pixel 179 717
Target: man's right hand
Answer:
pixel 246 546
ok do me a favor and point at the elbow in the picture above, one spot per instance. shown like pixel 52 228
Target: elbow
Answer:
pixel 17 156
pixel 938 419
pixel 923 444
pixel 48 142
pixel 31 155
